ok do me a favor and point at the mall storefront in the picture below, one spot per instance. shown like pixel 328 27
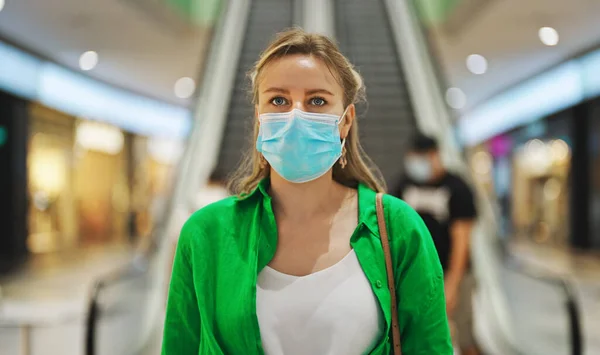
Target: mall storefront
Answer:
pixel 89 182
pixel 82 163
pixel 545 177
pixel 535 150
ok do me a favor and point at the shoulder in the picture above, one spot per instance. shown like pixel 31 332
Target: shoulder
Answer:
pixel 399 214
pixel 456 182
pixel 214 212
pixel 408 233
pixel 213 219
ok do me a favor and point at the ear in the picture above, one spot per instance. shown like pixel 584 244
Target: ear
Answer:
pixel 348 121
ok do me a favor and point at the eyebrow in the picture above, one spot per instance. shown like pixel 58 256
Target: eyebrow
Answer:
pixel 319 91
pixel 279 90
pixel 308 92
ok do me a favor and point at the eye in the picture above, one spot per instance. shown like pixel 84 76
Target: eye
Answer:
pixel 318 101
pixel 278 101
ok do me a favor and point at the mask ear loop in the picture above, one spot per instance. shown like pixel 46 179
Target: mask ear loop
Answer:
pixel 262 162
pixel 343 160
pixel 342 117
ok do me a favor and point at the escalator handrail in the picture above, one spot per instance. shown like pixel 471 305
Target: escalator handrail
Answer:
pixel 129 271
pixel 429 48
pixel 213 105
pixel 138 266
pixel 566 286
pixel 431 113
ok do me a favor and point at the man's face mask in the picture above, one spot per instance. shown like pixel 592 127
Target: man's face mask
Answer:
pixel 418 168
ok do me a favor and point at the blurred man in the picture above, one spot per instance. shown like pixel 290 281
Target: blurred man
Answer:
pixel 446 205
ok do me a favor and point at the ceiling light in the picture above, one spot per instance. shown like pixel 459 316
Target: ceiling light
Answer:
pixel 88 60
pixel 2 3
pixel 185 87
pixel 548 36
pixel 477 64
pixel 456 98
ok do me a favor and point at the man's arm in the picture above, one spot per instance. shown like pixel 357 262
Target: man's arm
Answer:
pixel 463 214
pixel 460 237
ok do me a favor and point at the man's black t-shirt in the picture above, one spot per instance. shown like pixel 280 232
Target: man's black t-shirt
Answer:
pixel 439 203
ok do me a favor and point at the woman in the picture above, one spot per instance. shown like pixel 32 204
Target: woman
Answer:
pixel 294 264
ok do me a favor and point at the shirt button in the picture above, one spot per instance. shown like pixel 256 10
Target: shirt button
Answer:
pixel 378 284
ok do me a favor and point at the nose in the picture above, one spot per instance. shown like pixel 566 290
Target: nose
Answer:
pixel 299 104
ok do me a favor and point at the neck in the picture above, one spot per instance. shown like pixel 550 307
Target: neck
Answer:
pixel 438 173
pixel 307 199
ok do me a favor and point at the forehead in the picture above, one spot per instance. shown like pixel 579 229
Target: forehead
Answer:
pixel 299 72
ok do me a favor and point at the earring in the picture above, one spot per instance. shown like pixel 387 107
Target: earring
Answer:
pixel 343 159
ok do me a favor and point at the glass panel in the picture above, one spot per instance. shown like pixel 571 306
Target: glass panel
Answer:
pixel 129 314
pixel 531 172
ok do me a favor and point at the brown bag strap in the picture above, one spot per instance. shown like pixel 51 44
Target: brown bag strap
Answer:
pixel 390 273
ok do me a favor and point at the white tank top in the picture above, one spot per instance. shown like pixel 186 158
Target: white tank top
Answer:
pixel 329 312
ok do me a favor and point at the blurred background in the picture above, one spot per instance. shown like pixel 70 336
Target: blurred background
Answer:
pixel 119 118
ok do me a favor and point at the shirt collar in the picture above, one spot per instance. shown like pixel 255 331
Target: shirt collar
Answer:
pixel 261 189
pixel 367 213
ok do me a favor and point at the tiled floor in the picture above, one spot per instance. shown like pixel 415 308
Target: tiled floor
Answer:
pixel 59 275
pixel 49 295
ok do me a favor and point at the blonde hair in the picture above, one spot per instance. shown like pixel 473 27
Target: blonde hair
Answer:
pixel 359 168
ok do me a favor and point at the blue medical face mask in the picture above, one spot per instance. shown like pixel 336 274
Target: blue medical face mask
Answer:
pixel 419 169
pixel 300 146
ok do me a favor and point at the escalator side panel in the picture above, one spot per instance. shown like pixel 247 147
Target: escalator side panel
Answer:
pixel 266 18
pixel 387 122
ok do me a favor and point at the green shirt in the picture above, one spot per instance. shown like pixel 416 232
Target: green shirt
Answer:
pixel 211 307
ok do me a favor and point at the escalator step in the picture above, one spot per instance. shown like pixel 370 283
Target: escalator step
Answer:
pixel 365 36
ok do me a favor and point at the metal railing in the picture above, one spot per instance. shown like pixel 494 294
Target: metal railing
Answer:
pixel 94 308
pixel 571 304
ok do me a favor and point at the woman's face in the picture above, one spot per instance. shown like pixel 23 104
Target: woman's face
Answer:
pixel 305 83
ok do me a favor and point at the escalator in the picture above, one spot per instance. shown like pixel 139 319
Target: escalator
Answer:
pixel 266 18
pixel 387 122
